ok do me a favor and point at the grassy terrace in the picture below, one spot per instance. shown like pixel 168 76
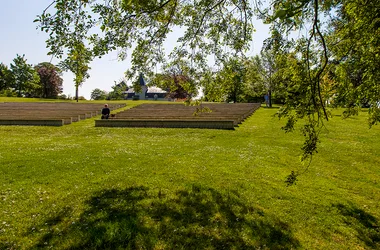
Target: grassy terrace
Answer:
pixel 81 186
pixel 153 115
pixel 49 113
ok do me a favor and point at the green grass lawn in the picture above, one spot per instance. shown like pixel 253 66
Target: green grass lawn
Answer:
pixel 85 187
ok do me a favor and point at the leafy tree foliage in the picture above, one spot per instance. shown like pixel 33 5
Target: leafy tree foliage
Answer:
pixel 145 25
pixel 335 60
pixel 50 80
pixel 25 77
pixel 77 62
pixel 237 81
pixel 118 90
pixel 98 94
pixel 174 84
pixel 43 80
pixel 63 97
pixel 255 86
pixel 354 41
pixel 176 80
pixel 212 90
pixel 6 80
pixel 231 78
pixel 270 65
pixel 71 23
pixel 6 77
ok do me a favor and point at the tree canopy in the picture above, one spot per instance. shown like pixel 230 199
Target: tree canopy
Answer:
pixel 25 78
pixel 144 25
pixel 6 77
pixel 177 80
pixel 77 62
pixel 50 80
pixel 22 79
pixel 98 94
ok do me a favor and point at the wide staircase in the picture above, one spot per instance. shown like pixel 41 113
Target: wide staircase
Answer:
pixel 206 115
pixel 49 113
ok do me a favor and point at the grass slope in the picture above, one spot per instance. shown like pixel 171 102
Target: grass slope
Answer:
pixel 82 187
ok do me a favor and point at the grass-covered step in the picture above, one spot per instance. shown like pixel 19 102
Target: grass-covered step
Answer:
pixel 205 114
pixel 31 113
pixel 34 122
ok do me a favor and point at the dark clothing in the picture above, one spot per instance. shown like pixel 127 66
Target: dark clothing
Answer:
pixel 105 113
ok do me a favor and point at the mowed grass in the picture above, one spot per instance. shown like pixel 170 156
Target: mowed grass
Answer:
pixel 83 187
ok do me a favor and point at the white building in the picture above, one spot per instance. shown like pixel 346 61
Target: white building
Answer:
pixel 146 93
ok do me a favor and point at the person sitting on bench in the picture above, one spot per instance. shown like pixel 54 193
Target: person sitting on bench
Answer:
pixel 105 112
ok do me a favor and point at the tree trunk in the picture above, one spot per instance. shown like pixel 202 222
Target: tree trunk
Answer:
pixel 270 98
pixel 76 93
pixel 270 89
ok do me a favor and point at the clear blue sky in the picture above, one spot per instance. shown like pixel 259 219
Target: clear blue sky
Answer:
pixel 18 35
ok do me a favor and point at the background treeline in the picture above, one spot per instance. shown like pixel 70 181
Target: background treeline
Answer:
pixel 117 92
pixel 21 79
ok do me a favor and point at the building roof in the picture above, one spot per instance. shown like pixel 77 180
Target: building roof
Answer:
pixel 153 90
pixel 141 80
pixel 150 89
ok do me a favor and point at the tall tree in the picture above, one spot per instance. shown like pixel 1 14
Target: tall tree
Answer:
pixel 232 78
pixel 69 27
pixel 25 76
pixel 6 77
pixel 177 80
pixel 212 90
pixel 98 94
pixel 342 33
pixel 354 42
pixel 50 80
pixel 267 69
pixel 118 91
pixel 238 81
pixel 270 65
pixel 77 62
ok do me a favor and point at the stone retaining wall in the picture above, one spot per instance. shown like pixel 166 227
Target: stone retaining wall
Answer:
pixel 210 124
pixel 33 122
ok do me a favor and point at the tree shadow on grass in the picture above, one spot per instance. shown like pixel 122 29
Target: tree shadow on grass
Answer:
pixel 197 218
pixel 366 225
